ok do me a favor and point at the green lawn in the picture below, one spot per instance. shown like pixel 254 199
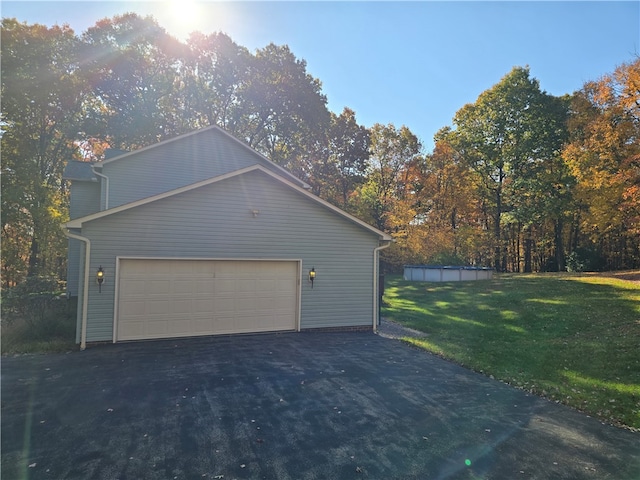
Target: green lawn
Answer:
pixel 571 338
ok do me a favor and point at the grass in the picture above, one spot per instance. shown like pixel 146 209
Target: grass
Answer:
pixel 15 341
pixel 574 339
pixel 53 333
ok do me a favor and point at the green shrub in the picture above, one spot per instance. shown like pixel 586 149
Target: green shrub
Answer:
pixel 585 259
pixel 575 263
pixel 36 312
pixel 447 258
pixel 33 301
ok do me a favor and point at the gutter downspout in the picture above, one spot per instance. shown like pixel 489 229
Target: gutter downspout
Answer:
pixel 85 292
pixel 106 186
pixel 376 281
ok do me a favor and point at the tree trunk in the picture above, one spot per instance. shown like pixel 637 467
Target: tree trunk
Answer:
pixel 496 229
pixel 527 250
pixel 559 246
pixel 33 257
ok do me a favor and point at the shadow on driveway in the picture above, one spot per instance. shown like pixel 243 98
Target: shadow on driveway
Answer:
pixel 289 406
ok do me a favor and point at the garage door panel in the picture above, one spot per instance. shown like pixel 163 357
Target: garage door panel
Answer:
pixel 247 286
pixel 177 298
pixel 182 286
pixel 202 268
pixel 155 329
pixel 224 285
pixel 279 304
pixel 225 324
pixel 244 323
pixel 133 307
pixel 133 285
pixel 224 305
pixel 154 286
pixel 226 268
pixel 177 327
pixel 157 307
pixel 203 306
pixel 204 285
pixel 180 306
pixel 247 306
pixel 133 330
pixel 202 326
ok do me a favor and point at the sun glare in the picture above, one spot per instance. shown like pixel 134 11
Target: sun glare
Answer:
pixel 180 18
pixel 184 17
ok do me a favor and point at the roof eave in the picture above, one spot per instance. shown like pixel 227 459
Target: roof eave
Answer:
pixel 78 222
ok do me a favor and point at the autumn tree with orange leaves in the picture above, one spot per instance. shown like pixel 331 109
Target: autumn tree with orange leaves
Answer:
pixel 522 180
pixel 604 157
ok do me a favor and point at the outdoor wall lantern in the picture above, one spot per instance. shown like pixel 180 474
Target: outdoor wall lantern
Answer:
pixel 312 275
pixel 100 278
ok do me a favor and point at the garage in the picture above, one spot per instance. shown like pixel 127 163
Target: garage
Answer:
pixel 201 235
pixel 165 298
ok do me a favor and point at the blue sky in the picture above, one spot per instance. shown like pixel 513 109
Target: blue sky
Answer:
pixel 406 63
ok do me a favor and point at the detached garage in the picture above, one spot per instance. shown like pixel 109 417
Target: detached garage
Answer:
pixel 201 235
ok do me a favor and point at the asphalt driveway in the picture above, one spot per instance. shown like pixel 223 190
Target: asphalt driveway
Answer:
pixel 288 406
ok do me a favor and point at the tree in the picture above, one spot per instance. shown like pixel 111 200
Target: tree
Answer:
pixel 447 205
pixel 131 63
pixel 42 98
pixel 603 157
pixel 339 166
pixel 542 186
pixel 214 74
pixel 283 113
pixel 387 199
pixel 500 136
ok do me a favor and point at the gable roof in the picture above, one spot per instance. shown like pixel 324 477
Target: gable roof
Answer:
pixel 219 130
pixel 78 222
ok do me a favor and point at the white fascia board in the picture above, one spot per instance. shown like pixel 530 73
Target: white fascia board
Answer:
pixel 77 223
pixel 284 171
pixel 329 206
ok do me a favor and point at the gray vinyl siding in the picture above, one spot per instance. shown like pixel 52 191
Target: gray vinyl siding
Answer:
pixel 73 266
pixel 182 162
pixel 216 221
pixel 84 200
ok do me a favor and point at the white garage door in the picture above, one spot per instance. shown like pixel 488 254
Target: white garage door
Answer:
pixel 180 298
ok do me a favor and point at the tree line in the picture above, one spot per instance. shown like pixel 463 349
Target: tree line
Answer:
pixel 521 180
